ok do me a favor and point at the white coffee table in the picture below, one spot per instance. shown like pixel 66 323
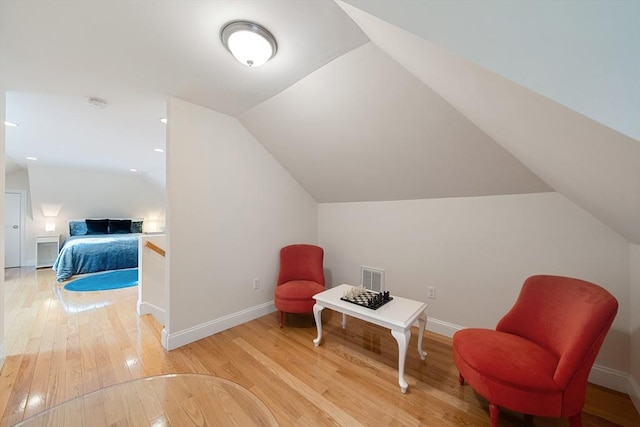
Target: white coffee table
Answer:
pixel 397 315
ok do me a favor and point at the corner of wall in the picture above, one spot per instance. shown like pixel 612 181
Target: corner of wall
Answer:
pixel 634 393
pixel 2 183
pixel 634 323
pixel 148 308
pixel 3 353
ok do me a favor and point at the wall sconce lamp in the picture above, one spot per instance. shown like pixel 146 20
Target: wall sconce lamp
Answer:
pixel 152 226
pixel 251 44
pixel 50 224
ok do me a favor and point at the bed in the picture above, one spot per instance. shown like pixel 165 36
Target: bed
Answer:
pixel 98 245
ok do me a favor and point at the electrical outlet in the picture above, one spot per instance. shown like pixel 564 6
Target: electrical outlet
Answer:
pixel 256 283
pixel 431 292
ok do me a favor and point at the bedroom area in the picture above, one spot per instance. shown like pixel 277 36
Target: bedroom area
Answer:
pixel 59 199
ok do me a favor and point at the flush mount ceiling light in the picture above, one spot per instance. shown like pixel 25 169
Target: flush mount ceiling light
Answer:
pixel 251 44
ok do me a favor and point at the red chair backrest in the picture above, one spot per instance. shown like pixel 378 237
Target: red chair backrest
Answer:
pixel 569 317
pixel 301 262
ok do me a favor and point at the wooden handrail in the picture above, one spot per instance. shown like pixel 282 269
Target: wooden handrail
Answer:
pixel 155 248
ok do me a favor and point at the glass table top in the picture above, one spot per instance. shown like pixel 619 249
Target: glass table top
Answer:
pixel 167 400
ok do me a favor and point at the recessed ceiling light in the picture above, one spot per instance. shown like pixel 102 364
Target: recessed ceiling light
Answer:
pixel 98 103
pixel 31 158
pixel 158 150
pixel 163 120
pixel 251 44
pixel 133 170
pixel 10 124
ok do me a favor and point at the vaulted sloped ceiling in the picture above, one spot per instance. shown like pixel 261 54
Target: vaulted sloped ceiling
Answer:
pixel 591 164
pixel 435 99
pixel 364 128
pixel 135 55
pixel 584 55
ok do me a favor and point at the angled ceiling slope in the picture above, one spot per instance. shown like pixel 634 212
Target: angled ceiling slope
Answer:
pixel 591 164
pixel 135 55
pixel 584 55
pixel 170 48
pixel 362 128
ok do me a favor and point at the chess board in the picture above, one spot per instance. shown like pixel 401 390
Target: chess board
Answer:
pixel 364 300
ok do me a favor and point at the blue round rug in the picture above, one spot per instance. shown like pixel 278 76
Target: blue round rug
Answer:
pixel 104 281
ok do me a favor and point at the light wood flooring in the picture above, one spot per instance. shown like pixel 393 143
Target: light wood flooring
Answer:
pixel 62 344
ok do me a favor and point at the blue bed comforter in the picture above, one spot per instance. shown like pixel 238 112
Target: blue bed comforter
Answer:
pixel 92 253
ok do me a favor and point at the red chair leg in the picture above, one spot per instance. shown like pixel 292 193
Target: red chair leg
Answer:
pixel 281 318
pixel 460 379
pixel 494 413
pixel 576 420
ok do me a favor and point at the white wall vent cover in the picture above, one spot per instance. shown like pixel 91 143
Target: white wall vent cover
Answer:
pixel 372 278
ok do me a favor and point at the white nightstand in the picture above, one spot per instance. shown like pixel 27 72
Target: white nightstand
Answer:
pixel 47 248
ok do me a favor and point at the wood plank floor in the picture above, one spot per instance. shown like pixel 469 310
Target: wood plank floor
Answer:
pixel 62 344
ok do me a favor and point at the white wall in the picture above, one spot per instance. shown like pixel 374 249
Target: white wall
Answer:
pixel 152 297
pixel 3 350
pixel 231 207
pixel 18 180
pixel 477 251
pixel 75 193
pixel 634 297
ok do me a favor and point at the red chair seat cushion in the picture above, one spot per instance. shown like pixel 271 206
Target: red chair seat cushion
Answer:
pixel 509 370
pixel 296 296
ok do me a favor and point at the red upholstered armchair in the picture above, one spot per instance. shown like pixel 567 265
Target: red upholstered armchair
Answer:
pixel 301 276
pixel 538 359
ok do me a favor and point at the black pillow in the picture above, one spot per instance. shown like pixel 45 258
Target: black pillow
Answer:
pixel 119 226
pixel 97 226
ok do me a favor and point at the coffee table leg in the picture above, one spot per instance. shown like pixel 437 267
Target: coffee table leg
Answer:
pixel 344 321
pixel 422 323
pixel 317 310
pixel 402 337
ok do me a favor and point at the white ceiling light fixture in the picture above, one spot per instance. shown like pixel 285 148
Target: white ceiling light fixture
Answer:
pixel 251 44
pixel 10 124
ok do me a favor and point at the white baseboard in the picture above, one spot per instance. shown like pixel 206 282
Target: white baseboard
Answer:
pixel 3 354
pixel 634 392
pixel 174 340
pixel 600 375
pixel 441 327
pixel 610 378
pixel 154 310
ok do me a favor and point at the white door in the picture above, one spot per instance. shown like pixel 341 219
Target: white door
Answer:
pixel 12 232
